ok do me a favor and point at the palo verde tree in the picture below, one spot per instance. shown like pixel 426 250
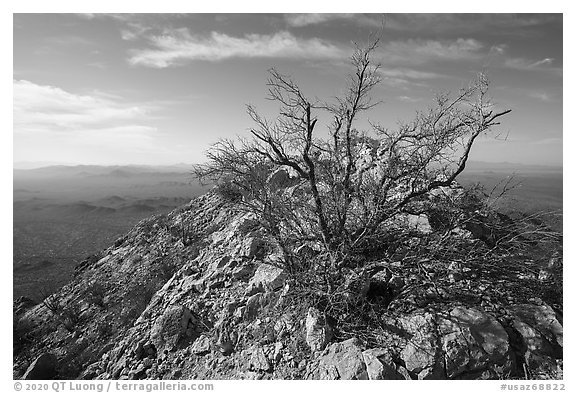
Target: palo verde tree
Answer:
pixel 341 190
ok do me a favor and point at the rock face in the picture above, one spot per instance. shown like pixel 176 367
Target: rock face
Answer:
pixel 258 360
pixel 464 343
pixel 201 345
pixel 474 344
pixel 219 306
pixel 44 367
pixel 380 365
pixel 173 325
pixel 268 277
pixel 542 337
pixel 343 360
pixel 421 353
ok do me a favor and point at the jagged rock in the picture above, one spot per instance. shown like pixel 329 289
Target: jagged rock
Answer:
pixel 284 324
pixel 542 337
pixel 379 364
pixel 252 247
pixel 253 304
pixel 269 277
pixel 474 344
pixel 225 344
pixel 91 371
pixel 258 360
pixel 201 345
pixel 343 360
pixel 171 327
pixel 43 367
pixel 419 223
pixel 421 353
pixel 443 341
pixel 253 289
pixel 240 312
pixel 243 271
pixel 277 354
pixel 318 332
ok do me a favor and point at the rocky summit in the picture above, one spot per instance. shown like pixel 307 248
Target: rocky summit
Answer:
pixel 201 293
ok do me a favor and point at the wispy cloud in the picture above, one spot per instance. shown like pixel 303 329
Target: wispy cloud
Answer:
pixel 407 77
pixel 178 47
pixel 41 109
pixel 522 64
pixel 541 96
pixel 409 99
pixel 414 51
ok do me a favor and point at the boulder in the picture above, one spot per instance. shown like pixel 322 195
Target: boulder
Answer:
pixel 343 360
pixel 253 304
pixel 379 364
pixel 269 277
pixel 258 360
pixel 542 338
pixel 419 222
pixel 252 247
pixel 43 367
pixel 421 353
pixel 318 332
pixel 173 325
pixel 474 345
pixel 201 345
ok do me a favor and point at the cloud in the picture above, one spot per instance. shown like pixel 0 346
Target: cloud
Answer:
pixel 41 109
pixel 540 95
pixel 415 51
pixel 407 77
pixel 518 63
pixel 407 73
pixel 409 99
pixel 178 47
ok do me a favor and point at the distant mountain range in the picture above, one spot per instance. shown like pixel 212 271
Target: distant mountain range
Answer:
pixel 46 168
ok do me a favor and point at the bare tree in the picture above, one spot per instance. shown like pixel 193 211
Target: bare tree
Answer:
pixel 352 183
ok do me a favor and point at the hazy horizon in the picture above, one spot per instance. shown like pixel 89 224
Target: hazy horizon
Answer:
pixel 25 165
pixel 159 89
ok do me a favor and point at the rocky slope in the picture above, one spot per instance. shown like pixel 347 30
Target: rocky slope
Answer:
pixel 199 294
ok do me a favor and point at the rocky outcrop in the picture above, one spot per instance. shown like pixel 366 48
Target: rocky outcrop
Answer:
pixel 380 364
pixel 175 324
pixel 474 345
pixel 343 360
pixel 222 307
pixel 542 339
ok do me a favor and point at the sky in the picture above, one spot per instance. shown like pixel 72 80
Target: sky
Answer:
pixel 159 89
